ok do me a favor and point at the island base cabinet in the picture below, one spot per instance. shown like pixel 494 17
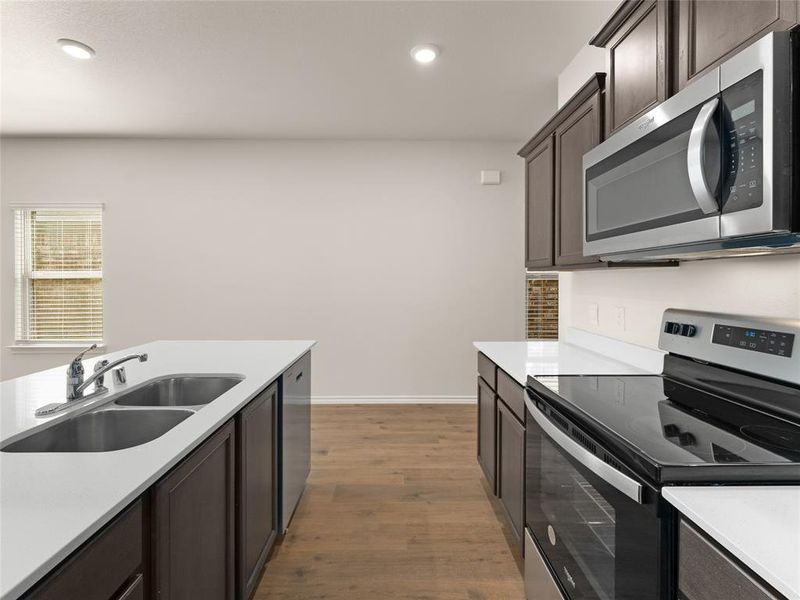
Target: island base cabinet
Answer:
pixel 107 567
pixel 256 515
pixel 194 524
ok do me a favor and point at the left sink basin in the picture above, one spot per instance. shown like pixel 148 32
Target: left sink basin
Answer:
pixel 102 431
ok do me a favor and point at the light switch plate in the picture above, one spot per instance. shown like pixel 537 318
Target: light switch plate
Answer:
pixel 491 177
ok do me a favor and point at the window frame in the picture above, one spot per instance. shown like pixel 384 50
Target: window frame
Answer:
pixel 24 275
pixel 535 275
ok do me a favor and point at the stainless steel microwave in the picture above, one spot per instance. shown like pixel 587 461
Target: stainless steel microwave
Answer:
pixel 710 170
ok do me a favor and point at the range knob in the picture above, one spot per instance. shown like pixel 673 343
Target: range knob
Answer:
pixel 686 439
pixel 671 430
pixel 688 330
pixel 672 327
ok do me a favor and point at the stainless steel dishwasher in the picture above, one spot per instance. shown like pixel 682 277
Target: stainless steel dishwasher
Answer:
pixel 295 436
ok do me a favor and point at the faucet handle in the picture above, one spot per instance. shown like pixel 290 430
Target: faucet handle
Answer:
pixel 76 366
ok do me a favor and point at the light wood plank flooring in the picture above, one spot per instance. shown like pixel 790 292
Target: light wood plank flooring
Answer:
pixel 395 507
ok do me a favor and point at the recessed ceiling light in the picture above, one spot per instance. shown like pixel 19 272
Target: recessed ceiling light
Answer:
pixel 76 49
pixel 425 53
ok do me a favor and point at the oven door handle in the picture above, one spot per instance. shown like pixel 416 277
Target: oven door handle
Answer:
pixel 695 162
pixel 617 479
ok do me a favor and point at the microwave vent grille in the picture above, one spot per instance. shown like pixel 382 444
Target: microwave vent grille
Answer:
pixel 560 420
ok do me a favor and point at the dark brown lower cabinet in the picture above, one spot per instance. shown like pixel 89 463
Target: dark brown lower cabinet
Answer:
pixel 511 469
pixel 107 567
pixel 256 522
pixel 487 408
pixel 194 525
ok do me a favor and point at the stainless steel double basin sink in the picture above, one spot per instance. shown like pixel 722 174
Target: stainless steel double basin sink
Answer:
pixel 132 418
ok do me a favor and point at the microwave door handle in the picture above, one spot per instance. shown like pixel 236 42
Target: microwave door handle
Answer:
pixel 617 479
pixel 694 159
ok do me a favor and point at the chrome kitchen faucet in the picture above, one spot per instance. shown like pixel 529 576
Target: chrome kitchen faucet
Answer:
pixel 76 383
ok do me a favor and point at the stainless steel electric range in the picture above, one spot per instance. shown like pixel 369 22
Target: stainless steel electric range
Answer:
pixel 725 410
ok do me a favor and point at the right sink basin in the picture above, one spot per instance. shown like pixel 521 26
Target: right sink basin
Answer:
pixel 179 390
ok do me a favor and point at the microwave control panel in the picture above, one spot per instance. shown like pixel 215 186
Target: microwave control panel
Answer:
pixel 743 144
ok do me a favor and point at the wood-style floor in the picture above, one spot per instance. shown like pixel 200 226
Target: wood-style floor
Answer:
pixel 395 507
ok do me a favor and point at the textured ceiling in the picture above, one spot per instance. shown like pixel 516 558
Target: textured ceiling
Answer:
pixel 308 70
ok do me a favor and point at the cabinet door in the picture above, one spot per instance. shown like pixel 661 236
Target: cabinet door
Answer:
pixel 709 31
pixel 193 525
pixel 539 200
pixel 511 468
pixel 637 65
pixel 579 133
pixel 487 406
pixel 256 515
pixel 103 565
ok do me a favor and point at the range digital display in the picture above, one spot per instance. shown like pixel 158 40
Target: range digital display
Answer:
pixel 755 340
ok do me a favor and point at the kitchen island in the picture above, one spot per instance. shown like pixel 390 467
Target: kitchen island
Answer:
pixel 53 502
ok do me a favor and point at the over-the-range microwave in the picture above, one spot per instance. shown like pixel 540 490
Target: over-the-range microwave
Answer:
pixel 709 172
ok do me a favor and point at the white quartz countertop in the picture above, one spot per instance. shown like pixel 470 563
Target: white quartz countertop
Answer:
pixel 521 359
pixel 50 503
pixel 759 525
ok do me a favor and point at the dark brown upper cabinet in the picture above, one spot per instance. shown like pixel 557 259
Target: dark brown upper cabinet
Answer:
pixel 554 181
pixel 637 39
pixel 579 133
pixel 710 31
pixel 539 205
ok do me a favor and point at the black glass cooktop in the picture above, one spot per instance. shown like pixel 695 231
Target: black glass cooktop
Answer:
pixel 677 432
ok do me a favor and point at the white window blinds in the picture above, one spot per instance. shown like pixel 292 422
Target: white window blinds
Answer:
pixel 542 302
pixel 59 275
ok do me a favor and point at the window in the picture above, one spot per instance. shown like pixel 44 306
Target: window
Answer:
pixel 59 275
pixel 542 302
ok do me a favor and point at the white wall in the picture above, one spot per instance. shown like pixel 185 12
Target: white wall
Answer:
pixel 389 253
pixel 761 286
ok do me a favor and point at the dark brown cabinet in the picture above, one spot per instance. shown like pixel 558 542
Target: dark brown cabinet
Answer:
pixel 110 566
pixel 511 468
pixel 710 31
pixel 554 181
pixel 256 522
pixel 487 407
pixel 194 522
pixel 501 442
pixel 539 205
pixel 637 39
pixel 578 134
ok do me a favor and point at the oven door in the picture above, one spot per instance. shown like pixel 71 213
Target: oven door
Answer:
pixel 656 182
pixel 599 529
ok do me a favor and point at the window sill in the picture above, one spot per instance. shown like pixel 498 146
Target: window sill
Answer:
pixel 55 348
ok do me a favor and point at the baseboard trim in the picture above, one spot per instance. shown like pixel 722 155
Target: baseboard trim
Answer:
pixel 393 400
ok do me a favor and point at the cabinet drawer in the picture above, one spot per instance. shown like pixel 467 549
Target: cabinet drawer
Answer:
pixel 512 393
pixel 100 568
pixel 706 573
pixel 488 370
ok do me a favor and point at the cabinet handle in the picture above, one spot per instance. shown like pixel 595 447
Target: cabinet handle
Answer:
pixel 299 376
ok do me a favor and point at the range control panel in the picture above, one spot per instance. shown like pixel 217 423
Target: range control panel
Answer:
pixel 778 343
pixel 762 346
